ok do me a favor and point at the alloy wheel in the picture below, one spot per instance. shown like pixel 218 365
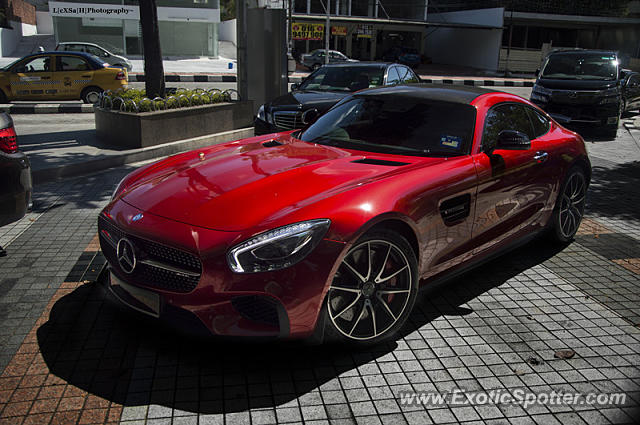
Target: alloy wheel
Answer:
pixel 370 291
pixel 572 205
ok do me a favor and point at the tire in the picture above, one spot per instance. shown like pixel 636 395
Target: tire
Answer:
pixel 569 208
pixel 91 94
pixel 3 97
pixel 368 302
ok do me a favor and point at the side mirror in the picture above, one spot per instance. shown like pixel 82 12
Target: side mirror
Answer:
pixel 19 69
pixel 513 140
pixel 295 86
pixel 310 116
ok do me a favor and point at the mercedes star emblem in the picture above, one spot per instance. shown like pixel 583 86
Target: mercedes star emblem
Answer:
pixel 126 255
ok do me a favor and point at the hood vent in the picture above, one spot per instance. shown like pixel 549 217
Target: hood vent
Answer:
pixel 271 144
pixel 372 161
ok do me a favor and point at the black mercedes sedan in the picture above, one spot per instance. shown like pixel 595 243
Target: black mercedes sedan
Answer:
pixel 15 175
pixel 324 88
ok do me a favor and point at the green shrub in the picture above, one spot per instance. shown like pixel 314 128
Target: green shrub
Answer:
pixel 179 98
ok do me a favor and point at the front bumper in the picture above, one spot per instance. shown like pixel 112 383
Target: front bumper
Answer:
pixel 582 114
pixel 283 303
pixel 15 197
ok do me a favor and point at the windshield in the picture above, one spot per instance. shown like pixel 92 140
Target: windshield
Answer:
pixel 344 78
pixel 581 67
pixel 395 124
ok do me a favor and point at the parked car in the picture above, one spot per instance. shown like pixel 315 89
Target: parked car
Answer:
pixel 405 55
pixel 98 51
pixel 59 76
pixel 15 175
pixel 315 59
pixel 323 88
pixel 329 231
pixel 586 87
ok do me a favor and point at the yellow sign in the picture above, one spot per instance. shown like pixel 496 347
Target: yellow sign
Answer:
pixel 364 31
pixel 342 31
pixel 304 31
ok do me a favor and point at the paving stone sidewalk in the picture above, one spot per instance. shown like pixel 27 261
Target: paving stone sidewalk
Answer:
pixel 69 356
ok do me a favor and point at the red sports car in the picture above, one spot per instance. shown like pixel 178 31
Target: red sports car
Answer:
pixel 329 231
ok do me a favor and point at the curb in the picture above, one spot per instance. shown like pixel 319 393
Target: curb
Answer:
pixel 458 82
pixel 188 78
pixel 112 160
pixel 46 108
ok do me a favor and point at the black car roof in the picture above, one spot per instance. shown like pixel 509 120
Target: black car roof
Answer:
pixel 437 92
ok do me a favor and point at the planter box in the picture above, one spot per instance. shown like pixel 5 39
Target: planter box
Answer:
pixel 128 130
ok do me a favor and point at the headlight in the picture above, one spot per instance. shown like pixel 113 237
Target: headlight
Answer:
pixel 277 249
pixel 611 95
pixel 540 93
pixel 261 114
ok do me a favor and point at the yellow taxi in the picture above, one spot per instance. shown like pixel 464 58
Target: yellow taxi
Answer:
pixel 59 76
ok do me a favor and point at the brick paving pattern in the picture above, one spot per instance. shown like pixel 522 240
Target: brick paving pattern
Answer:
pixel 69 355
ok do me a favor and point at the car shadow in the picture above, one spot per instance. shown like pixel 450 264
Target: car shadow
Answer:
pixel 614 191
pixel 131 360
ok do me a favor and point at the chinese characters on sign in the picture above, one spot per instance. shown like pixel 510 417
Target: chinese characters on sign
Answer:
pixel 302 31
pixel 341 31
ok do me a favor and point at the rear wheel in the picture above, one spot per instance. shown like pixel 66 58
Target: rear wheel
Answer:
pixel 373 290
pixel 569 209
pixel 91 94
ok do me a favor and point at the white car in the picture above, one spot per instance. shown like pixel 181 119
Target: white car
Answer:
pixel 98 51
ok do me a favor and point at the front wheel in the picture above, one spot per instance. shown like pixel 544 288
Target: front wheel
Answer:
pixel 569 209
pixel 373 290
pixel 91 95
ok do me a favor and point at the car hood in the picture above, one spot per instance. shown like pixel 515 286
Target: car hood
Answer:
pixel 307 99
pixel 243 185
pixel 560 84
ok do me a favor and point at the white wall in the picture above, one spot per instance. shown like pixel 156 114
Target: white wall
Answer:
pixel 9 38
pixel 227 31
pixel 44 22
pixel 478 48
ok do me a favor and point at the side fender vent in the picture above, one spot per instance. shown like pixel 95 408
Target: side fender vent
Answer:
pixel 373 161
pixel 271 144
pixel 455 209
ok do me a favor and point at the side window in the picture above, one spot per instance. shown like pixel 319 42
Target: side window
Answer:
pixel 392 76
pixel 71 63
pixel 540 123
pixel 634 81
pixel 39 64
pixel 95 51
pixel 73 48
pixel 505 116
pixel 410 77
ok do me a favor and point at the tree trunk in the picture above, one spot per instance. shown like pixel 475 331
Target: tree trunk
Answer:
pixel 153 69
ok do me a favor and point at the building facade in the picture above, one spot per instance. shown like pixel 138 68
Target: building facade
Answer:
pixel 187 27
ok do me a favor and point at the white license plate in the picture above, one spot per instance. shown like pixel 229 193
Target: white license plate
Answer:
pixel 149 299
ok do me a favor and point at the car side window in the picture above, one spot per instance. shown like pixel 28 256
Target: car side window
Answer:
pixel 39 64
pixel 95 51
pixel 540 123
pixel 410 76
pixel 392 76
pixel 71 63
pixel 634 81
pixel 505 116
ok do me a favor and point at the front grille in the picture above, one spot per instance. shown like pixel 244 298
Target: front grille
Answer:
pixel 257 308
pixel 575 97
pixel 158 266
pixel 288 120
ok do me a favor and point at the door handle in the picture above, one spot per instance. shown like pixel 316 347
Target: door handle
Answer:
pixel 541 157
pixel 85 76
pixel 45 78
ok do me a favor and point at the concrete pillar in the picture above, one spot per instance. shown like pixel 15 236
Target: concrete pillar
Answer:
pixel 374 42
